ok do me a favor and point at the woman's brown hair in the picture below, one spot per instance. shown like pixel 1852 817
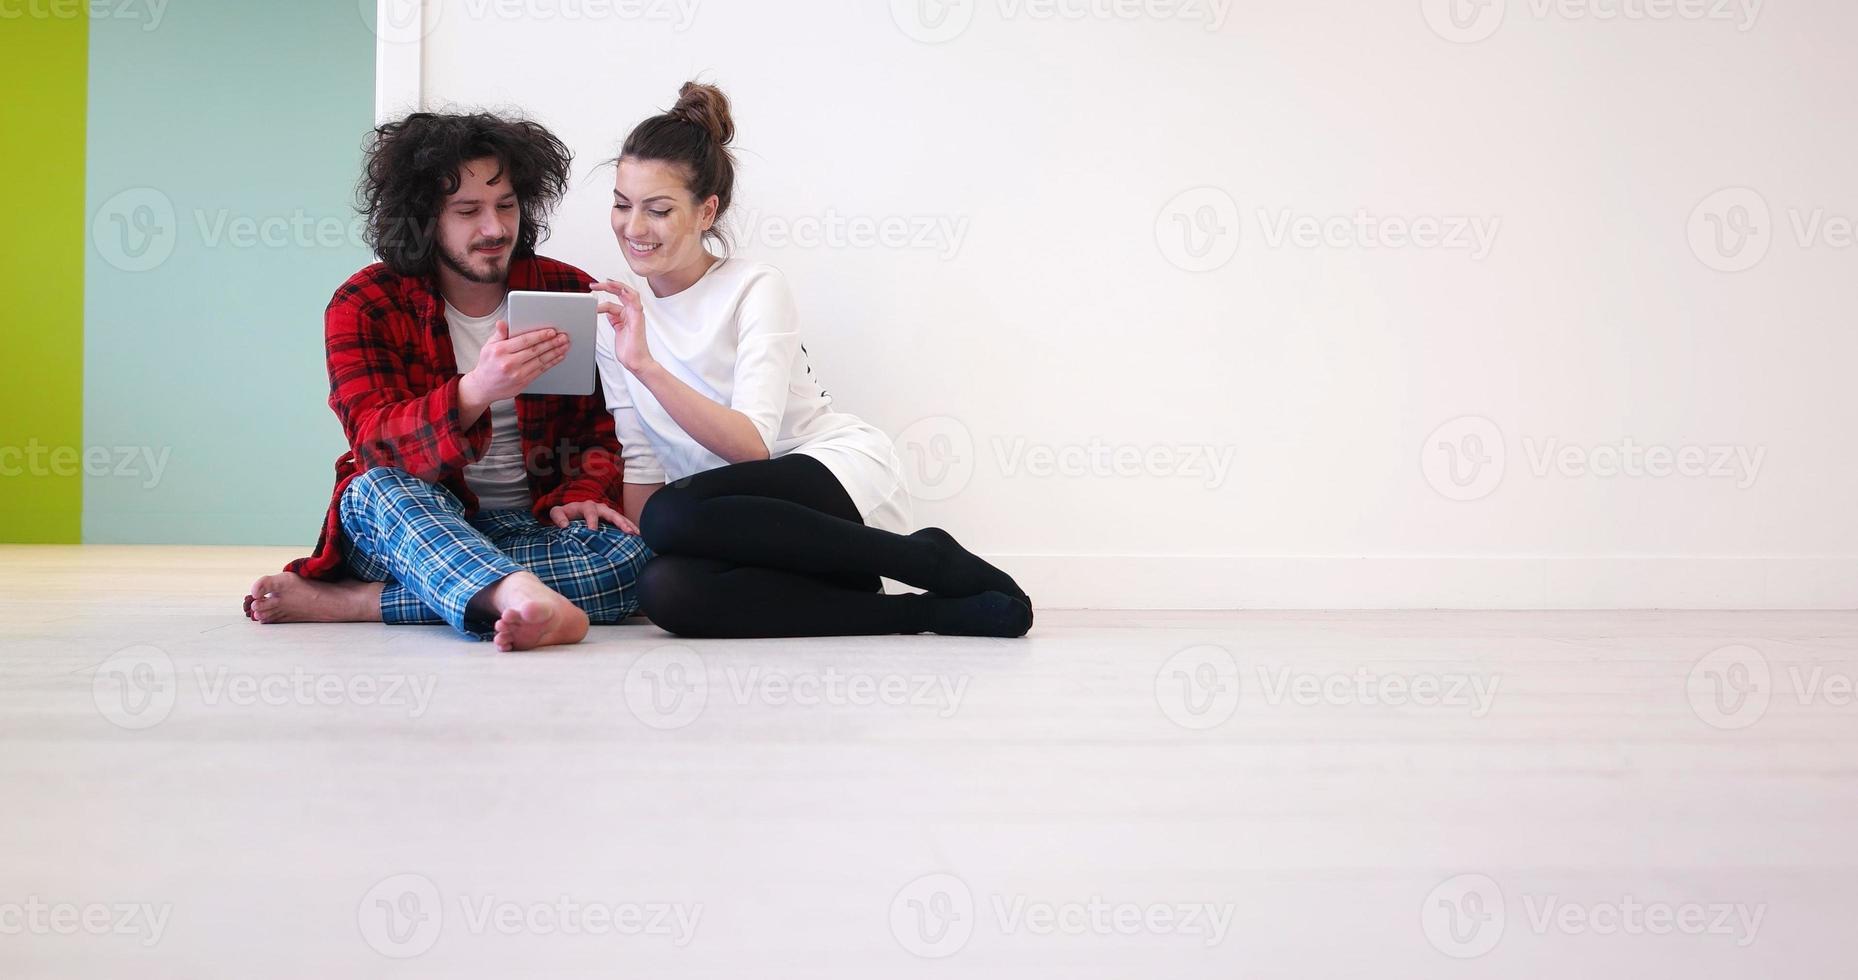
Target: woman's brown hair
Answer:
pixel 695 134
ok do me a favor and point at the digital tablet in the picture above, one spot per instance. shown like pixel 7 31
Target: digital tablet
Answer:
pixel 574 314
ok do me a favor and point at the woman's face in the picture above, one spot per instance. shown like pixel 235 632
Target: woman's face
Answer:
pixel 660 229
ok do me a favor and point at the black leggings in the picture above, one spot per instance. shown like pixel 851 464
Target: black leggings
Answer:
pixel 776 547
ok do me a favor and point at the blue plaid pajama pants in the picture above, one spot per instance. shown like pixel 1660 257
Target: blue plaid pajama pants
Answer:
pixel 415 537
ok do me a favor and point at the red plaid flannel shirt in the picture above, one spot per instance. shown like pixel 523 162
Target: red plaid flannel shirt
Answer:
pixel 394 384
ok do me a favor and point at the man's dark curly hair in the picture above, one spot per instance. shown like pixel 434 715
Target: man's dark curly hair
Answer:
pixel 412 166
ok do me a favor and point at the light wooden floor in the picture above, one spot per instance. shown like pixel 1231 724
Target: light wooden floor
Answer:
pixel 284 804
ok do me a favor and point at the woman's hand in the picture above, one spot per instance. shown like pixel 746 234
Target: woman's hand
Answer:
pixel 627 315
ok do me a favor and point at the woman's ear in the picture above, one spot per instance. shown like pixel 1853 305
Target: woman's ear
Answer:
pixel 707 214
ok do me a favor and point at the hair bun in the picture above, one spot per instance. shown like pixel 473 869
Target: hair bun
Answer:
pixel 706 107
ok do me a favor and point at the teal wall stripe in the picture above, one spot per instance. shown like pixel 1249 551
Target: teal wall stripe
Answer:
pixel 224 137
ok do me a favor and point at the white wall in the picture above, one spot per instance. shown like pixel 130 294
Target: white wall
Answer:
pixel 1067 311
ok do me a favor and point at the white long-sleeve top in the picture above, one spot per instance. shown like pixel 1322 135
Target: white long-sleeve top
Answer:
pixel 734 335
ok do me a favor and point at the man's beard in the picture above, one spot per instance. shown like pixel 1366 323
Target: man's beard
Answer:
pixel 462 265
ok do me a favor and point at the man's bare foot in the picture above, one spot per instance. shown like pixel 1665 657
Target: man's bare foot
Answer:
pixel 530 614
pixel 290 598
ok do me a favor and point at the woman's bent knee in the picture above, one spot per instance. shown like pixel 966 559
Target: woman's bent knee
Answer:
pixel 666 520
pixel 672 592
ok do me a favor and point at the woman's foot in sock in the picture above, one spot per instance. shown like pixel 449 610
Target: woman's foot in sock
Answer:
pixel 986 614
pixel 960 572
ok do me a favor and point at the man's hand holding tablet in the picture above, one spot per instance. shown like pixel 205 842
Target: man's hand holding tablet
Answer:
pixel 506 366
pixel 572 315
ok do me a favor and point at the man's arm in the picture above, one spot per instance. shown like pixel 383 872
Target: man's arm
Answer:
pixel 386 423
pixel 434 435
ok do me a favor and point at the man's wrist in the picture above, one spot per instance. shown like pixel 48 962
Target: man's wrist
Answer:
pixel 471 403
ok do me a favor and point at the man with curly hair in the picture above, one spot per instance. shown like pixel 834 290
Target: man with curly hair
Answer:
pixel 461 500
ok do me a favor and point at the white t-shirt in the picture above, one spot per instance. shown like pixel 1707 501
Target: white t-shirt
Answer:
pixel 499 478
pixel 734 335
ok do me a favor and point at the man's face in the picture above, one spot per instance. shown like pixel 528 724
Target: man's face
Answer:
pixel 479 222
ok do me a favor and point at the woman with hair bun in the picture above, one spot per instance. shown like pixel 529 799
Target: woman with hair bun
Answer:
pixel 770 512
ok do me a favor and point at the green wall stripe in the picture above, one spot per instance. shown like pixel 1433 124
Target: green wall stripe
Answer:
pixel 42 70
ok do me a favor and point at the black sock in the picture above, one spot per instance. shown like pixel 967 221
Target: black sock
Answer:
pixel 956 571
pixel 986 614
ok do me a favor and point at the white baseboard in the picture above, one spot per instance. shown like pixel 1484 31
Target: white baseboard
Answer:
pixel 1433 582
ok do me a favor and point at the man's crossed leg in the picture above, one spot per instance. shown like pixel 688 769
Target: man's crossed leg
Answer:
pixel 499 574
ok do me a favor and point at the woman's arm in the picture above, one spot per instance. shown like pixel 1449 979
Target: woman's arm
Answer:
pixel 717 428
pixel 734 435
pixel 634 496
